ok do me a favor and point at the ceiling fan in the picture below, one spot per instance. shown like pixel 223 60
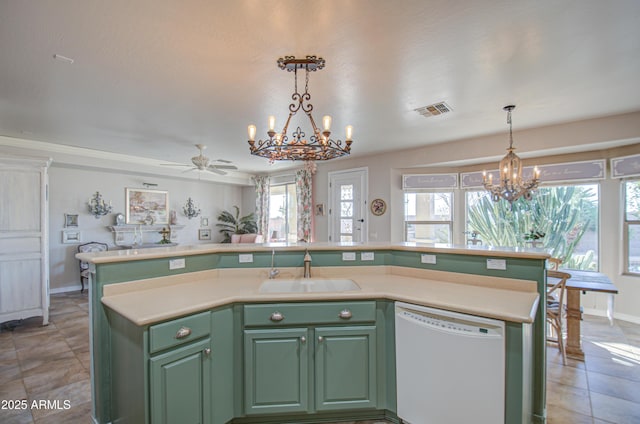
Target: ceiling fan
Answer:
pixel 203 163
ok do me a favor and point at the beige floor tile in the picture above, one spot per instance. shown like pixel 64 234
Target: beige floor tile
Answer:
pixel 616 366
pixel 80 413
pixel 13 390
pixel 77 393
pixel 614 386
pixel 559 415
pixel 568 397
pixel 54 374
pixel 615 410
pixel 567 375
pixel 16 416
pixel 36 356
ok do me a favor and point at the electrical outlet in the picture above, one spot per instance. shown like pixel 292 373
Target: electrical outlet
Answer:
pixel 245 258
pixel 500 264
pixel 428 259
pixel 176 263
pixel 348 256
pixel 367 256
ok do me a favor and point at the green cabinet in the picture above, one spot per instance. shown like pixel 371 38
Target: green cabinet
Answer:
pixel 345 368
pixel 276 370
pixel 311 368
pixel 180 385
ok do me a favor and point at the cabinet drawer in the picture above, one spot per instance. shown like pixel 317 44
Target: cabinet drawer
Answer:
pixel 280 314
pixel 179 331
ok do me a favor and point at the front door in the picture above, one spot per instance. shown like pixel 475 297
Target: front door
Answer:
pixel 347 205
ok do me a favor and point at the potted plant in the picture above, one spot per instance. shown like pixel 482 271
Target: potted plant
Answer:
pixel 534 237
pixel 234 224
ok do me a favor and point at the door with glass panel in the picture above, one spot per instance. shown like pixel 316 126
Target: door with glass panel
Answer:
pixel 347 205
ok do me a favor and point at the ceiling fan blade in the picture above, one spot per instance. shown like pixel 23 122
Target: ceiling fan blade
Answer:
pixel 189 170
pixel 216 171
pixel 223 166
pixel 174 164
pixel 223 160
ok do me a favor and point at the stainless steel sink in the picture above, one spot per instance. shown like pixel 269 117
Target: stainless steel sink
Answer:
pixel 308 285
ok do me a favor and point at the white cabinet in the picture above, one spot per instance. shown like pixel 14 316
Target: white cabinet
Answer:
pixel 24 246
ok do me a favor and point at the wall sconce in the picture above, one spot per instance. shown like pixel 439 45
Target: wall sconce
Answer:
pixel 190 210
pixel 97 206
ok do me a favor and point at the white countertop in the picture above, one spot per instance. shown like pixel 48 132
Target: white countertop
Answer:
pixel 145 302
pixel 135 254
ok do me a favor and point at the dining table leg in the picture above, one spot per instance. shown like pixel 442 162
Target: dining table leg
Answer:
pixel 573 347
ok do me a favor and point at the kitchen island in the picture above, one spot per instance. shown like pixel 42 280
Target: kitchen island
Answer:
pixel 138 303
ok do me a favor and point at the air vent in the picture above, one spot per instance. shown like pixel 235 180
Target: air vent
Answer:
pixel 434 109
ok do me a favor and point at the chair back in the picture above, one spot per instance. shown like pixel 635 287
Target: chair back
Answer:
pixel 93 246
pixel 557 287
pixel 554 263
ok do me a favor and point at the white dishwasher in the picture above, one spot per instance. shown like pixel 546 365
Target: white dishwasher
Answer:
pixel 450 367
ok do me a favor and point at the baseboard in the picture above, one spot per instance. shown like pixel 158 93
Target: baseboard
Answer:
pixel 623 317
pixel 66 289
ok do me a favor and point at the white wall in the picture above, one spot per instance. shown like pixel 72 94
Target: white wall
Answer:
pixel 70 189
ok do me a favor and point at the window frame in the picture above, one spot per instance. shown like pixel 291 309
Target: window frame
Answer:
pixel 449 223
pixel 626 224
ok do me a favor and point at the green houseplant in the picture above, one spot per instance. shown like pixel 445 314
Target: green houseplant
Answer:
pixel 234 224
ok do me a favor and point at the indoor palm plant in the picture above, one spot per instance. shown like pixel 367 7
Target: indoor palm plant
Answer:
pixel 234 224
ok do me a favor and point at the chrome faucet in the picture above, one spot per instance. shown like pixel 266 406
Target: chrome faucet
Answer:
pixel 273 272
pixel 307 265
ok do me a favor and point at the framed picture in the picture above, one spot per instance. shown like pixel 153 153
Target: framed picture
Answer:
pixel 378 207
pixel 144 206
pixel 320 209
pixel 70 220
pixel 204 234
pixel 71 236
pixel 204 221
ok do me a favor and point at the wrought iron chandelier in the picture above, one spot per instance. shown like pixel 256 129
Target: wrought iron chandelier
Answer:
pixel 190 210
pixel 319 146
pixel 511 186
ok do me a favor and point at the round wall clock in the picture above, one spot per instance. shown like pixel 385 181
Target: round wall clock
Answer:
pixel 378 207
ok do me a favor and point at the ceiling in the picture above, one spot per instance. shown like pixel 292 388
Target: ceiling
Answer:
pixel 151 78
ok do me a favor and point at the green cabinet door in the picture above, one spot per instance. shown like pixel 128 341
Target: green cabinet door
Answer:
pixel 345 368
pixel 181 385
pixel 276 370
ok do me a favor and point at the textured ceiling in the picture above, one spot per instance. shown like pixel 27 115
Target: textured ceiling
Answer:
pixel 151 78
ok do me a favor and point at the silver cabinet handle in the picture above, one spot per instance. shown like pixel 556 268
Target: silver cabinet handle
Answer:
pixel 303 339
pixel 345 314
pixel 207 351
pixel 183 332
pixel 320 339
pixel 276 317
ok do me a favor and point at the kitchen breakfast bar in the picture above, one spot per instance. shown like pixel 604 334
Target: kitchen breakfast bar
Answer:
pixel 236 334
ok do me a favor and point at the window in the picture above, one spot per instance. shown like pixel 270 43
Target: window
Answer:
pixel 427 217
pixel 566 215
pixel 632 226
pixel 283 213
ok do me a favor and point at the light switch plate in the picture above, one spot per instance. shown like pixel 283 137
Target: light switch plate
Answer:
pixel 367 256
pixel 500 264
pixel 245 258
pixel 348 256
pixel 176 263
pixel 428 259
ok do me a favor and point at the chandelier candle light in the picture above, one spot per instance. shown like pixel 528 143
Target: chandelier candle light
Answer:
pixel 511 186
pixel 319 146
pixel 97 206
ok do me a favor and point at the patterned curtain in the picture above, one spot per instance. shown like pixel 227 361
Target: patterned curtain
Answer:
pixel 304 196
pixel 262 184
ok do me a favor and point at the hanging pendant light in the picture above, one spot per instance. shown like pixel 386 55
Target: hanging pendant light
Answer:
pixel 319 146
pixel 511 186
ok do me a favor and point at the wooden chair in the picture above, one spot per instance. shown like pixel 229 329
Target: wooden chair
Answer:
pixel 556 289
pixel 93 246
pixel 554 263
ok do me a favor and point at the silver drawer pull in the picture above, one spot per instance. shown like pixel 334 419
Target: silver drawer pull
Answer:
pixel 207 351
pixel 276 316
pixel 183 332
pixel 345 314
pixel 320 339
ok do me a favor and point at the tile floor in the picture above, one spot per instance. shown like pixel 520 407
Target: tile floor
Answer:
pixel 52 363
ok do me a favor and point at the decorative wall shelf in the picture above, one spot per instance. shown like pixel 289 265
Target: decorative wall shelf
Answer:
pixel 127 235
